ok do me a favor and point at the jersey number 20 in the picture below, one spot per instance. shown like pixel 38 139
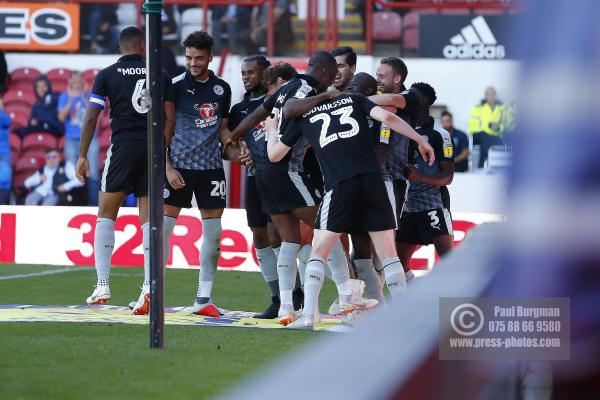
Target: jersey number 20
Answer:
pixel 136 97
pixel 345 119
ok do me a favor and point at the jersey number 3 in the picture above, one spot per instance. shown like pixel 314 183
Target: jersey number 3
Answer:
pixel 136 97
pixel 345 119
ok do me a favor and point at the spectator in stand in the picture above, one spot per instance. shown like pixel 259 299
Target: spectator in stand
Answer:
pixel 103 21
pixel 3 72
pixel 72 106
pixel 282 24
pixel 460 141
pixel 486 124
pixel 5 165
pixel 233 20
pixel 54 179
pixel 44 117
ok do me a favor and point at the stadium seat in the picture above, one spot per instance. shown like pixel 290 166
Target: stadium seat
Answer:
pixel 499 160
pixel 38 141
pixel 61 142
pixel 25 98
pixel 17 109
pixel 89 76
pixel 410 32
pixel 410 38
pixel 59 77
pixel 104 121
pixel 15 142
pixel 387 25
pixel 474 157
pixel 456 11
pixel 18 120
pixel 23 78
pixel 192 20
pixel 29 162
pixel 104 141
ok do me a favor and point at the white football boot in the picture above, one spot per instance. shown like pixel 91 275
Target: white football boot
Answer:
pixel 356 301
pixel 100 295
pixel 142 307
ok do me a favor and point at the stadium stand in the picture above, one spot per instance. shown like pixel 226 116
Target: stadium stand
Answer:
pixel 38 141
pixel 58 78
pixel 89 76
pixel 22 78
pixel 21 97
pixel 387 26
pixel 192 19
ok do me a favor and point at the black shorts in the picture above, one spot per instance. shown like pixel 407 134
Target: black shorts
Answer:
pixel 254 210
pixel 282 191
pixel 208 186
pixel 358 204
pixel 313 170
pixel 400 188
pixel 424 226
pixel 126 168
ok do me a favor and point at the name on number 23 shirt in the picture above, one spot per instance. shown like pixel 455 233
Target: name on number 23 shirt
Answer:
pixel 339 133
pixel 199 108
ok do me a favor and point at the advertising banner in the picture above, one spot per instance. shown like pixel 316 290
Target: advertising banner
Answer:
pixel 39 26
pixel 65 236
pixel 465 37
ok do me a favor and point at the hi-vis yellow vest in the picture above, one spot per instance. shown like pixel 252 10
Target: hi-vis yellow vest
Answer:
pixel 482 115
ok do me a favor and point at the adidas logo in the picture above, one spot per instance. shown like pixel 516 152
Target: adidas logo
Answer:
pixel 475 41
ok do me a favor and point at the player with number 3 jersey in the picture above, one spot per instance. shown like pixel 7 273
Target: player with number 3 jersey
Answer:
pixel 122 85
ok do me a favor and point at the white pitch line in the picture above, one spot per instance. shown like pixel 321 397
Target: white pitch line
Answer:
pixel 43 273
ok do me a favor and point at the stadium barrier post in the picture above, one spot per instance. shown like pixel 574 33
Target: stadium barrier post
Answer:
pixel 156 169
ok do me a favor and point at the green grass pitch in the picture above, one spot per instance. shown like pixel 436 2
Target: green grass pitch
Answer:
pixel 109 361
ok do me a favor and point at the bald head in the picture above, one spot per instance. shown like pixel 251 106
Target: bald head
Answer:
pixel 323 68
pixel 364 84
pixel 131 41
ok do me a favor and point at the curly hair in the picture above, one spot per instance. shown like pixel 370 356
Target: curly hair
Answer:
pixel 426 90
pixel 284 71
pixel 199 40
pixel 260 60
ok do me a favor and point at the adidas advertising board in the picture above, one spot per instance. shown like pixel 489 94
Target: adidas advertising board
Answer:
pixel 464 37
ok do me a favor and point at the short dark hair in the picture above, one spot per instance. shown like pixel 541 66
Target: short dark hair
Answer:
pixel 446 114
pixel 345 51
pixel 130 36
pixel 52 150
pixel 284 71
pixel 368 83
pixel 199 40
pixel 426 90
pixel 398 66
pixel 260 60
pixel 322 59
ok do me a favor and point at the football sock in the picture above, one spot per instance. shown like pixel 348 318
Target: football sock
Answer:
pixel 276 250
pixel 315 274
pixel 339 270
pixel 267 262
pixel 146 246
pixel 394 275
pixel 303 257
pixel 287 269
pixel 104 243
pixel 409 275
pixel 168 226
pixel 379 269
pixel 366 272
pixel 210 252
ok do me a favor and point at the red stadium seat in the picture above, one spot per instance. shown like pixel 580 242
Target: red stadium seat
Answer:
pixel 61 142
pixel 456 11
pixel 15 142
pixel 59 87
pixel 17 109
pixel 387 25
pixel 18 120
pixel 19 97
pixel 89 76
pixel 23 78
pixel 38 141
pixel 58 78
pixel 410 38
pixel 29 162
pixel 104 123
pixel 104 141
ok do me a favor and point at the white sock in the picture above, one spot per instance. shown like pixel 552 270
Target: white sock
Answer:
pixel 379 269
pixel 104 243
pixel 409 275
pixel 204 291
pixel 394 275
pixel 276 250
pixel 315 274
pixel 146 246
pixel 168 226
pixel 366 272
pixel 287 270
pixel 338 263
pixel 303 257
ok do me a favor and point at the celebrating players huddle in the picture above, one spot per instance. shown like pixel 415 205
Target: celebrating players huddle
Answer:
pixel 382 177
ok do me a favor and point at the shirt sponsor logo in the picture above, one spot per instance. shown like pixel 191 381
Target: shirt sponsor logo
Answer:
pixel 475 41
pixel 208 114
pixel 259 132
